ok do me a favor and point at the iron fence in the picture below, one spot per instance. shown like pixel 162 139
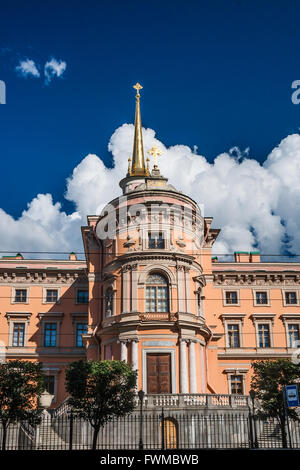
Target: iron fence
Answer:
pixel 156 431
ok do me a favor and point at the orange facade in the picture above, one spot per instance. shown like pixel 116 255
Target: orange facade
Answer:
pixel 151 293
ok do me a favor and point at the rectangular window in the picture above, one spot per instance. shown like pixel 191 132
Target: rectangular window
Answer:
pixel 293 335
pixel 18 334
pixel 231 297
pixel 50 335
pixel 51 295
pixel 21 295
pixel 233 336
pixel 261 298
pixel 264 336
pixel 157 299
pixel 290 298
pixel 50 384
pixel 236 384
pixel 82 296
pixel 81 329
pixel 156 240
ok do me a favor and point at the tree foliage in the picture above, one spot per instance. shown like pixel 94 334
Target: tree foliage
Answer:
pixel 100 390
pixel 268 381
pixel 21 383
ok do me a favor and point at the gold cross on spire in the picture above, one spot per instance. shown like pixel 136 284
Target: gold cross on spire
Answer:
pixel 155 152
pixel 138 87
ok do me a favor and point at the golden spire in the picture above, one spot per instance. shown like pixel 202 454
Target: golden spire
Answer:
pixel 138 167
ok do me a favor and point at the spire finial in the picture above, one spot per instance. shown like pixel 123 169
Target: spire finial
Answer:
pixel 138 87
pixel 138 167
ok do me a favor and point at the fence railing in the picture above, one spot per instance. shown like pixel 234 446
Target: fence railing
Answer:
pixel 180 401
pixel 186 400
pixel 159 430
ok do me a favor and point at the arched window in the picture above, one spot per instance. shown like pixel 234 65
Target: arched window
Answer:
pixel 109 302
pixel 157 293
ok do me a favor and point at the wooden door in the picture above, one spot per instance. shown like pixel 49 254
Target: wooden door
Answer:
pixel 170 433
pixel 159 373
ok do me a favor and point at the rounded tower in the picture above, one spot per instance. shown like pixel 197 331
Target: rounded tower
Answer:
pixel 147 276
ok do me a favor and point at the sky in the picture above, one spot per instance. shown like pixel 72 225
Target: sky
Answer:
pixel 217 78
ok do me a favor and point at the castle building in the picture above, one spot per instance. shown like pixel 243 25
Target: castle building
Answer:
pixel 151 293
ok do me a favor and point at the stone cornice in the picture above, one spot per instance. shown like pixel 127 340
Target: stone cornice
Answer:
pixel 42 276
pixel 260 278
pixel 155 255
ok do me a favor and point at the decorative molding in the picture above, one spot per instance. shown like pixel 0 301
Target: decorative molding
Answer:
pixel 256 279
pixel 42 276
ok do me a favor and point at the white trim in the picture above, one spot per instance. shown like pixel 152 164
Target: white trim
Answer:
pixel 158 268
pixel 267 291
pixel 51 287
pixel 231 289
pixel 13 294
pixel 290 289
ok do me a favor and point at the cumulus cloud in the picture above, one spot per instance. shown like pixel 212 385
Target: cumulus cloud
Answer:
pixel 27 68
pixel 255 205
pixel 54 68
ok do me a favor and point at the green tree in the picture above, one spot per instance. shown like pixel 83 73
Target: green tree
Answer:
pixel 268 382
pixel 100 390
pixel 21 383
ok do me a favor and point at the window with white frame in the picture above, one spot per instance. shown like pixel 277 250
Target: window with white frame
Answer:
pixel 81 329
pixel 109 302
pixel 157 293
pixel 156 240
pixel 293 335
pixel 18 339
pixel 264 336
pixel 51 295
pixel 236 384
pixel 261 298
pixel 20 296
pixel 231 297
pixel 50 334
pixel 233 335
pixel 18 328
pixel 290 297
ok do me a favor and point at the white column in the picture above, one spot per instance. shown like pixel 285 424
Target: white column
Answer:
pixel 187 290
pixel 181 289
pixel 124 351
pixel 134 279
pixel 203 370
pixel 183 368
pixel 134 354
pixel 126 290
pixel 193 375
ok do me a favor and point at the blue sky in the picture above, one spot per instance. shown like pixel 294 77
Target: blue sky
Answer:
pixel 216 74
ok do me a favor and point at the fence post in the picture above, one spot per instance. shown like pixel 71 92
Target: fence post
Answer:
pixel 71 431
pixel 251 429
pixel 162 416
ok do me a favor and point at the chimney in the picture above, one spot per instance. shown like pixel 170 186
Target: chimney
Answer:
pixel 255 257
pixel 72 256
pixel 241 257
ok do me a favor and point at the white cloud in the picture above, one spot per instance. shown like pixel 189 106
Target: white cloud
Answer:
pixel 54 68
pixel 255 205
pixel 27 68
